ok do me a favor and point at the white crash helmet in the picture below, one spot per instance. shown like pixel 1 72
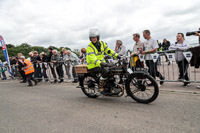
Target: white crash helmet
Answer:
pixel 94 33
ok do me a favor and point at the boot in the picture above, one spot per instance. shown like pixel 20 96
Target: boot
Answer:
pixel 35 82
pixel 60 81
pixel 55 81
pixel 162 78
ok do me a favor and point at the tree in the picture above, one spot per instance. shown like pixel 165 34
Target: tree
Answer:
pixel 39 49
pixel 77 52
pixel 54 47
pixel 10 46
pixel 67 48
pixel 24 48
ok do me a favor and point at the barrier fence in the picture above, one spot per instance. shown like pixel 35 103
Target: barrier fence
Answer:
pixel 168 66
pixel 165 62
pixel 47 71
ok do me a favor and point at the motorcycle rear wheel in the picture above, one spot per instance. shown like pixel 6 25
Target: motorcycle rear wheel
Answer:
pixel 89 86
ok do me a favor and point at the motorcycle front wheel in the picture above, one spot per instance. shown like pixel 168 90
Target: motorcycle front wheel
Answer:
pixel 89 86
pixel 142 87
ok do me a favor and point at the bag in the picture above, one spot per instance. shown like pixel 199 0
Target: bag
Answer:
pixel 81 68
pixel 133 60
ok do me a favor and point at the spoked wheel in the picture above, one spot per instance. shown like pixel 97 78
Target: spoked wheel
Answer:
pixel 89 87
pixel 142 87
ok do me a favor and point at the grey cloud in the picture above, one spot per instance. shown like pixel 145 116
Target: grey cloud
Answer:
pixel 184 11
pixel 67 23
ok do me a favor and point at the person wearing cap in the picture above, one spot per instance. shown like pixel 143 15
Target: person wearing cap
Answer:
pixel 29 70
pixel 95 56
pixel 119 48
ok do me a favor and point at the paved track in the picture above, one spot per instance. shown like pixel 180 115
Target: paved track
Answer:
pixel 62 108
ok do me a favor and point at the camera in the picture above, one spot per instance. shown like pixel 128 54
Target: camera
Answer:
pixel 192 33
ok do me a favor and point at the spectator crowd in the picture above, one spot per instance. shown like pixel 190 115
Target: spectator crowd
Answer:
pixel 64 61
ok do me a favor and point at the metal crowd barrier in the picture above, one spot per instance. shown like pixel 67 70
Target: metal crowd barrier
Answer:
pixel 165 61
pixel 168 67
pixel 53 71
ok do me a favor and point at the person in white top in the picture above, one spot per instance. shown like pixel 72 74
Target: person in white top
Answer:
pixel 181 45
pixel 137 48
pixel 151 46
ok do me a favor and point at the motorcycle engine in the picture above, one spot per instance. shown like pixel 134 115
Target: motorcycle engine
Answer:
pixel 109 85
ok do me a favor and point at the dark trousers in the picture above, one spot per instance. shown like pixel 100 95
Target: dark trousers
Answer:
pixel 38 73
pixel 183 67
pixel 60 72
pixel 44 73
pixel 104 72
pixel 4 75
pixel 29 78
pixel 166 58
pixel 22 73
pixel 139 64
pixel 153 69
pixel 52 71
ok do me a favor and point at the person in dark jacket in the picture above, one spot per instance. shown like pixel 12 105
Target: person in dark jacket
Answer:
pixel 36 60
pixel 197 34
pixel 20 66
pixel 50 64
pixel 13 62
pixel 165 46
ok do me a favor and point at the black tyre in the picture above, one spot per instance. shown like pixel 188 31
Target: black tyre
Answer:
pixel 89 86
pixel 142 87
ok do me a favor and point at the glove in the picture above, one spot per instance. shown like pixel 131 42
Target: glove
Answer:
pixel 118 57
pixel 103 64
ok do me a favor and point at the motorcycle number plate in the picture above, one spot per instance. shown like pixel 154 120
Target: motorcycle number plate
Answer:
pixel 130 71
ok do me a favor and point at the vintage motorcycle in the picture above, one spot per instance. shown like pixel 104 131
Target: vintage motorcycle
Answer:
pixel 139 85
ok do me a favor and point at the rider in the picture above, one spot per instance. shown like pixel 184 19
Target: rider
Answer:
pixel 95 56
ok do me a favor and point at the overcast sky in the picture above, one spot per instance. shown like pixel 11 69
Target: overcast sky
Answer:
pixel 67 22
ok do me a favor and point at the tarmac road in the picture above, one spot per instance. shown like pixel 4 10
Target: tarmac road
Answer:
pixel 62 108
